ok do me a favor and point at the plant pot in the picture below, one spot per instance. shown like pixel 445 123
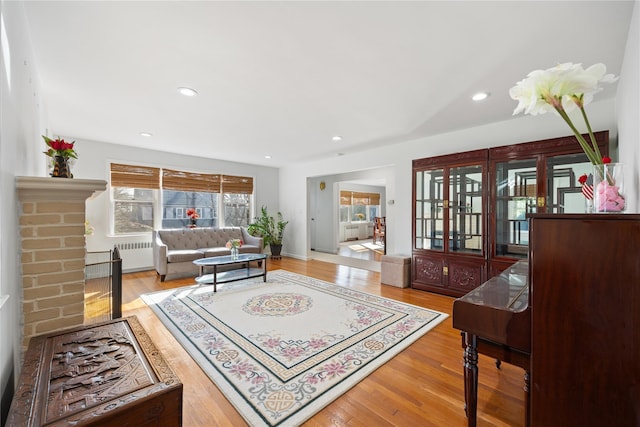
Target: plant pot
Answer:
pixel 61 168
pixel 275 250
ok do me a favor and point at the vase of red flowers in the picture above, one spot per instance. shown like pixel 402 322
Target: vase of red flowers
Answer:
pixel 193 217
pixel 60 152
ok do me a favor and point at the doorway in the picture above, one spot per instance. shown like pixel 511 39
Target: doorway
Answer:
pixel 343 233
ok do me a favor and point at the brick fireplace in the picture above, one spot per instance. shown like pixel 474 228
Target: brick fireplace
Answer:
pixel 52 215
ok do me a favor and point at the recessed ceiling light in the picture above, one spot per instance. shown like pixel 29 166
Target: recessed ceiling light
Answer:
pixel 480 96
pixel 146 134
pixel 337 138
pixel 187 91
pixel 267 156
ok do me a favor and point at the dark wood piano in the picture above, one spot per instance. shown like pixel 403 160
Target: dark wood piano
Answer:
pixel 571 319
pixel 496 321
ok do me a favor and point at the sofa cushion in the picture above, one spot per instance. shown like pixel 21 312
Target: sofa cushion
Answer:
pixel 220 237
pixel 244 249
pixel 250 249
pixel 182 255
pixel 211 252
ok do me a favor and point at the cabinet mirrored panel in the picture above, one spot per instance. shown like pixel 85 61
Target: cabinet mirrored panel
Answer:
pixel 429 208
pixel 466 209
pixel 564 191
pixel 516 194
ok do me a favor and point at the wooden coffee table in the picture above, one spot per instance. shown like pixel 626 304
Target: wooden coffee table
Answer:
pixel 233 275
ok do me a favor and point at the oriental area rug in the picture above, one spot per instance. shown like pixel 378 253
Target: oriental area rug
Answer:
pixel 282 350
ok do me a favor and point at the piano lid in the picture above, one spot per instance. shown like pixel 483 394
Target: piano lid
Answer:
pixel 498 310
pixel 507 291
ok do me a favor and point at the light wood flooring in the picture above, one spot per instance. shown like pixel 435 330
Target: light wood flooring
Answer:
pixel 361 249
pixel 422 386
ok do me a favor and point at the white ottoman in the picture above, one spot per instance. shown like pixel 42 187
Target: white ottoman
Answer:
pixel 395 270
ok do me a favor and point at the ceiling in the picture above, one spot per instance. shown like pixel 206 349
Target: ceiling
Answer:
pixel 282 78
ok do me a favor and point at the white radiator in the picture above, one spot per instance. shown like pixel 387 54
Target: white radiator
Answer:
pixel 136 256
pixel 133 246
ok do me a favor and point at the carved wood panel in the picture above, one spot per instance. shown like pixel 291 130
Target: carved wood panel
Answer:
pixel 97 375
pixel 465 276
pixel 428 270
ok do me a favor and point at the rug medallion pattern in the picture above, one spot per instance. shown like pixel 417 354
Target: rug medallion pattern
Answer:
pixel 282 350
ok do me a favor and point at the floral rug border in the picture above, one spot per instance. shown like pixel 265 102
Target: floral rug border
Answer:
pixel 267 383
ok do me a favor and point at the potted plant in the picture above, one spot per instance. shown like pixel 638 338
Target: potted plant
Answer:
pixel 60 152
pixel 270 229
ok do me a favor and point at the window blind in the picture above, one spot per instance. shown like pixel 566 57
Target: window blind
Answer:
pixel 134 176
pixel 237 184
pixel 190 181
pixel 357 198
pixel 345 197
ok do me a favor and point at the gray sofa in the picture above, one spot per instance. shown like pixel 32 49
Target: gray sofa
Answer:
pixel 174 250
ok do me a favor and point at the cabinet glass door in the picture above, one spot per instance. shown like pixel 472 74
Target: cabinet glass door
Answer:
pixel 429 209
pixel 516 191
pixel 564 192
pixel 466 209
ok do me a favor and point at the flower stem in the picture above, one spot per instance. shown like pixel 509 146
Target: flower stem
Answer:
pixel 596 149
pixel 584 144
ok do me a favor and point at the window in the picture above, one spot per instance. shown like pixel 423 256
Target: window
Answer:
pixel 176 203
pixel 185 190
pixel 357 206
pixel 132 210
pixel 219 200
pixel 133 192
pixel 237 191
pixel 237 209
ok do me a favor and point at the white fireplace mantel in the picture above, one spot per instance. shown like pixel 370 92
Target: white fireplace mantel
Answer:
pixel 42 188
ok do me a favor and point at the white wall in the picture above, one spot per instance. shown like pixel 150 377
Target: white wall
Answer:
pixel 628 109
pixel 20 154
pixel 93 162
pixel 398 158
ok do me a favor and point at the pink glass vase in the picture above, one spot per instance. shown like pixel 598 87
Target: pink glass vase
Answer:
pixel 608 188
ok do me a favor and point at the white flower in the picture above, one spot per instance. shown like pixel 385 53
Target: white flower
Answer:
pixel 564 86
pixel 561 89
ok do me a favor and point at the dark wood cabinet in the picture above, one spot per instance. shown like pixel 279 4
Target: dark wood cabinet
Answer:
pixel 585 304
pixel 449 222
pixel 469 209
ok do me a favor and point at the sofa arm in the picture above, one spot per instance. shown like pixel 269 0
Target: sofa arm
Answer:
pixel 252 240
pixel 159 254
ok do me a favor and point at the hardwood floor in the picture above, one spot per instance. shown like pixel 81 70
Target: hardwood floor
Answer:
pixel 361 249
pixel 422 385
